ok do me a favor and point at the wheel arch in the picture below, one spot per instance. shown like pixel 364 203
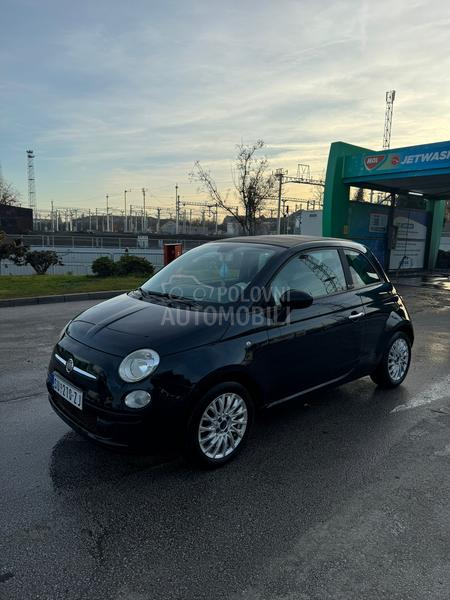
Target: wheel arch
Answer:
pixel 407 328
pixel 393 326
pixel 232 375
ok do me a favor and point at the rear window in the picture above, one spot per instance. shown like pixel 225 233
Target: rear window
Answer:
pixel 362 271
pixel 317 272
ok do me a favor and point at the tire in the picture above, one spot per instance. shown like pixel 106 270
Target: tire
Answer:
pixel 394 365
pixel 220 425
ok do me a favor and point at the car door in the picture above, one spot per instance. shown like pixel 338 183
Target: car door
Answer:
pixel 319 344
pixel 378 299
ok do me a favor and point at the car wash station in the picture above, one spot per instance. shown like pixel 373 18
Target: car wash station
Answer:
pixel 408 187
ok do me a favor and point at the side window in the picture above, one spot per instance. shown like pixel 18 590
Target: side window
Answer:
pixel 363 273
pixel 317 272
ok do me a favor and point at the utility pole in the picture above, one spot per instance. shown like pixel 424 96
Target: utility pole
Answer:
pixel 125 224
pixel 158 212
pixel 107 212
pixel 279 176
pixel 217 219
pixel 177 209
pixel 144 217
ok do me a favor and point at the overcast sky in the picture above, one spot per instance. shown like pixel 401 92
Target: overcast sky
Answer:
pixel 113 95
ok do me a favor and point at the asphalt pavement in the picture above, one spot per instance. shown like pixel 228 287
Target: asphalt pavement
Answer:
pixel 343 495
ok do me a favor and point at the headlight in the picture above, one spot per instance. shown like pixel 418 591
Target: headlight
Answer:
pixel 138 365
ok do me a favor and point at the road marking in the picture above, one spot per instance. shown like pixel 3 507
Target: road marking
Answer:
pixel 437 391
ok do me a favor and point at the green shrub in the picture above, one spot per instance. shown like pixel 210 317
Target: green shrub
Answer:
pixel 42 260
pixel 104 267
pixel 134 265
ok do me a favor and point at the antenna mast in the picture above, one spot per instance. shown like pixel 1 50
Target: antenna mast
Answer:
pixel 31 180
pixel 390 97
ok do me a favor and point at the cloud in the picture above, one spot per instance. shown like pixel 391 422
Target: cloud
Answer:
pixel 113 96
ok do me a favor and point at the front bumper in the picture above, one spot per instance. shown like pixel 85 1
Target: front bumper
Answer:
pixel 109 429
pixel 104 417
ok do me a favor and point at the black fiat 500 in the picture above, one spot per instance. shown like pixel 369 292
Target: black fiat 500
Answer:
pixel 227 328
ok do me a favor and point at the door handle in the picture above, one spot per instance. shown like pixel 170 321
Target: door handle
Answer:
pixel 356 316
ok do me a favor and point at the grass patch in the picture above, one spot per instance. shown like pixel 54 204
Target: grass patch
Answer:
pixel 23 286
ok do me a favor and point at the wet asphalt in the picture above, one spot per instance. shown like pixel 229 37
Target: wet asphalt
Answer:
pixel 342 495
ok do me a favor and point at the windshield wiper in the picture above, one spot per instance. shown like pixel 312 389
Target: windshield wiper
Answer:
pixel 185 301
pixel 170 297
pixel 147 294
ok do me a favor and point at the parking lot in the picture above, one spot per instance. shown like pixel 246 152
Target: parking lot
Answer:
pixel 344 494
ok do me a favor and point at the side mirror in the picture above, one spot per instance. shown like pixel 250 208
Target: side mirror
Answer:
pixel 296 299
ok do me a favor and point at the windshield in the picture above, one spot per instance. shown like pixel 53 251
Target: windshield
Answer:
pixel 212 272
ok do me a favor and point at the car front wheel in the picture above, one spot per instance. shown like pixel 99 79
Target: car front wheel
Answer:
pixel 220 424
pixel 394 365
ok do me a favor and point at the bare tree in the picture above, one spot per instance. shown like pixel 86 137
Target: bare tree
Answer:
pixel 317 194
pixel 253 186
pixel 9 196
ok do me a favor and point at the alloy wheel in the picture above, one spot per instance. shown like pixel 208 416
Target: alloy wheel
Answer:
pixel 398 359
pixel 222 426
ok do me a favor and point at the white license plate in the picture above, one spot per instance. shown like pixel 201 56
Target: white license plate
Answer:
pixel 67 391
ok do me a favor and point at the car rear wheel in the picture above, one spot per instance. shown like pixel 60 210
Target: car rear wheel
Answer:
pixel 220 424
pixel 394 365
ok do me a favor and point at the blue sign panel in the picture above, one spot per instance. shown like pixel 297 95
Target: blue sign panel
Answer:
pixel 400 160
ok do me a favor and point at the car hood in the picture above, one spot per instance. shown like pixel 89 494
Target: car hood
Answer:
pixel 123 324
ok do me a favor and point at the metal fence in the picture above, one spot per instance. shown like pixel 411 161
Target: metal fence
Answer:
pixel 79 251
pixel 69 240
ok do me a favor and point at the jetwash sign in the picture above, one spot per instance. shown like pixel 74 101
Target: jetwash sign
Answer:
pixel 414 158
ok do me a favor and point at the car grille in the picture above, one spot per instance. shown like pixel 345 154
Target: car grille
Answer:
pixel 86 376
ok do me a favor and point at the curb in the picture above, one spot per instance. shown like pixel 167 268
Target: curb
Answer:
pixel 61 298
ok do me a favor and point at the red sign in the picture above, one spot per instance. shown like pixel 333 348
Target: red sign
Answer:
pixel 395 160
pixel 372 162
